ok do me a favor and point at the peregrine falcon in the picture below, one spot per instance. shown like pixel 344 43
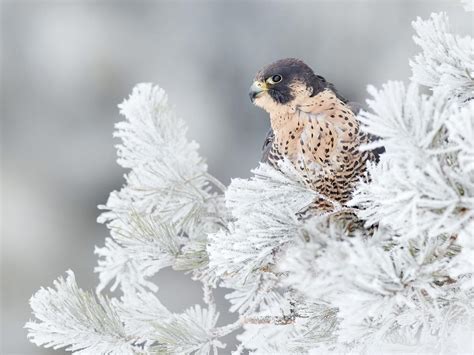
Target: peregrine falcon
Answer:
pixel 314 127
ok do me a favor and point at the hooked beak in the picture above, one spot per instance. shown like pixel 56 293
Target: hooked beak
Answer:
pixel 257 89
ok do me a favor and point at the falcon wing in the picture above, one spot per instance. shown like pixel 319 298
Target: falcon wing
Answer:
pixel 356 107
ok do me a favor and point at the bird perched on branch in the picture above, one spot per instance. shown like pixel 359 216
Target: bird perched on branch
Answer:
pixel 315 128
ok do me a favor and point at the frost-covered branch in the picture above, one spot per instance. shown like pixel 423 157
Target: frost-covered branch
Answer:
pixel 167 202
pixel 424 181
pixel 137 324
pixel 386 293
pixel 160 218
pixel 446 61
pixel 79 320
pixel 189 332
pixel 264 210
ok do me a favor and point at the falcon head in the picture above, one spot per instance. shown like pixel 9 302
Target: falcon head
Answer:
pixel 284 83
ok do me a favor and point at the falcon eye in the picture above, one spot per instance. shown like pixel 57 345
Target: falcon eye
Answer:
pixel 274 79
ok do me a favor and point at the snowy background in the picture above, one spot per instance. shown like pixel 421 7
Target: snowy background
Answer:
pixel 65 67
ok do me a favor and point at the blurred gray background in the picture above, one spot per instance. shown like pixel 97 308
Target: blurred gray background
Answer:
pixel 67 64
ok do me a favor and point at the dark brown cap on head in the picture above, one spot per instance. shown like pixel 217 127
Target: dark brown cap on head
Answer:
pixel 289 68
pixel 287 71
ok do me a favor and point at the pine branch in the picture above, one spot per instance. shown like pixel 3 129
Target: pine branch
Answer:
pixel 446 61
pixel 189 332
pixel 162 215
pixel 414 189
pixel 76 319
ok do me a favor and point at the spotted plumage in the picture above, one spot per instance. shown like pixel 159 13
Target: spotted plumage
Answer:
pixel 315 128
